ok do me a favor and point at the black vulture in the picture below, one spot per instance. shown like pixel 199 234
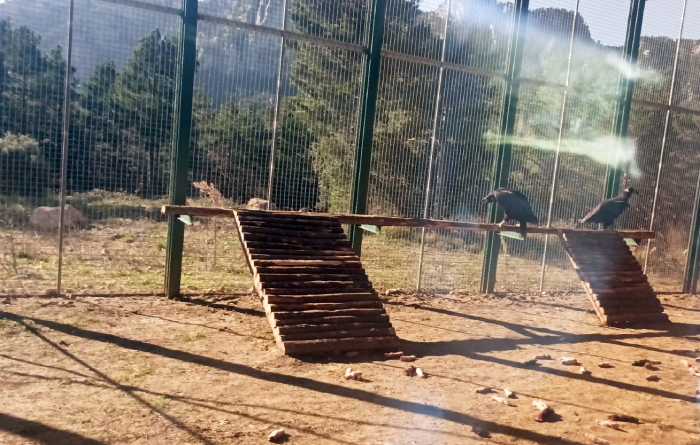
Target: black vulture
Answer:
pixel 515 206
pixel 609 210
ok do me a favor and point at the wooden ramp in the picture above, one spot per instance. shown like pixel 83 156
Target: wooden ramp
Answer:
pixel 613 278
pixel 316 294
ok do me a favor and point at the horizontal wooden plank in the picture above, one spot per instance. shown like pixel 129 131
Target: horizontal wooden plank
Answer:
pixel 275 224
pixel 388 221
pixel 292 270
pixel 276 277
pixel 301 328
pixel 316 234
pixel 622 288
pixel 360 312
pixel 301 307
pixel 258 244
pixel 322 298
pixel 333 320
pixel 648 309
pixel 297 262
pixel 270 291
pixel 309 255
pixel 317 335
pixel 301 252
pixel 287 214
pixel 389 343
pixel 337 285
pixel 637 318
pixel 277 239
pixel 640 301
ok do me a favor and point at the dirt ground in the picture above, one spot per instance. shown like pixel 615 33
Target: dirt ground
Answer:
pixel 147 370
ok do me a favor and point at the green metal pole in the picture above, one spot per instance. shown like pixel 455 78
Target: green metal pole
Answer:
pixel 690 279
pixel 181 145
pixel 368 108
pixel 624 107
pixel 503 153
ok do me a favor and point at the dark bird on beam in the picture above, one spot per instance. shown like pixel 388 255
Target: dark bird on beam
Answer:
pixel 515 206
pixel 609 210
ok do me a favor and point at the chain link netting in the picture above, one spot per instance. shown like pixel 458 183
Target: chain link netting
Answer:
pixel 276 108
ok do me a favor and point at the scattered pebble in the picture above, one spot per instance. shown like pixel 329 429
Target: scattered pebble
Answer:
pixel 410 371
pixel 408 358
pixel 584 371
pixel 481 432
pixel 685 363
pixel 393 355
pixel 596 440
pixel 609 424
pixel 531 362
pixel 545 410
pixel 641 362
pixel 484 390
pixel 420 373
pixel 605 365
pixel 509 394
pixel 653 378
pixel 568 361
pixel 623 418
pixel 543 357
pixel 353 375
pixel 650 366
pixel 501 400
pixel 277 435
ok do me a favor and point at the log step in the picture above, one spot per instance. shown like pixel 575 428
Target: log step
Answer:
pixel 388 343
pixel 317 335
pixel 321 298
pixel 299 328
pixel 325 306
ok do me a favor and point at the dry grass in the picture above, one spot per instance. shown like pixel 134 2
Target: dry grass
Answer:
pixel 123 251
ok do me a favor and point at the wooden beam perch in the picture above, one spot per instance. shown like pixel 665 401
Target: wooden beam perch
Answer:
pixel 395 221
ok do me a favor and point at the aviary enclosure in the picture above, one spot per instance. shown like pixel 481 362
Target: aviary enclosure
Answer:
pixel 316 131
pixel 565 101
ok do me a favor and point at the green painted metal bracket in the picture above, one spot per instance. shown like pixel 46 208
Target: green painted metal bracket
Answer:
pixel 624 107
pixel 503 153
pixel 181 145
pixel 368 108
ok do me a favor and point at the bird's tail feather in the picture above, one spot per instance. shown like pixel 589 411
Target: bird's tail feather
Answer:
pixel 523 229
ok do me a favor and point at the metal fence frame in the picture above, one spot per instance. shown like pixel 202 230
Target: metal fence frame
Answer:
pixel 373 56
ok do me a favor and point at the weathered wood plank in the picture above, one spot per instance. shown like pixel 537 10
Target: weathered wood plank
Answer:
pixel 389 343
pixel 387 221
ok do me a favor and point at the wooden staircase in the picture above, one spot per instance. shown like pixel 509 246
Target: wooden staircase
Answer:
pixel 316 294
pixel 613 278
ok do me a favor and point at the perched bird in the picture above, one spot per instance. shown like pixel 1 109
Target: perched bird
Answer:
pixel 609 210
pixel 515 206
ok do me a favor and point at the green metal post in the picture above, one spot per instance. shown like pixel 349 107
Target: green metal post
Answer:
pixel 690 279
pixel 181 145
pixel 624 107
pixel 368 108
pixel 503 154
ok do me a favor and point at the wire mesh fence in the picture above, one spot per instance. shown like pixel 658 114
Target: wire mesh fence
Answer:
pixel 277 100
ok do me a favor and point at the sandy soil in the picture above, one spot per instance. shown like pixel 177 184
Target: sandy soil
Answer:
pixel 146 370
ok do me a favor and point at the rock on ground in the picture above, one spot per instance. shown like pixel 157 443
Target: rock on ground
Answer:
pixel 47 218
pixel 259 204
